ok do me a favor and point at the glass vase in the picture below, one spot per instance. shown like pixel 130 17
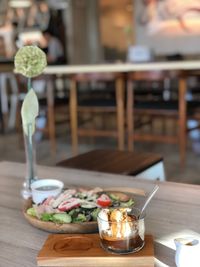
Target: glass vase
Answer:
pixel 30 153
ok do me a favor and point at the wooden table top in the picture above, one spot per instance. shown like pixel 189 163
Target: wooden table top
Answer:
pixel 174 212
pixel 6 67
pixel 112 161
pixel 188 65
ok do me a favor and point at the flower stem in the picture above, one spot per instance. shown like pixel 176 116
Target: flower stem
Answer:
pixel 29 84
pixel 30 155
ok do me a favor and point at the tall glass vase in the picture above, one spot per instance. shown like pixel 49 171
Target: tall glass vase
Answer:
pixel 30 152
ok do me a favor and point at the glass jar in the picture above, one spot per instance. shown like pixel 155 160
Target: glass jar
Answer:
pixel 31 173
pixel 121 236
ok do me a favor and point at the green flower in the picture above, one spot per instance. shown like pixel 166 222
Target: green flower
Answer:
pixel 30 61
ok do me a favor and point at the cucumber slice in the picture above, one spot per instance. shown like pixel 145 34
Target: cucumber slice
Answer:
pixel 114 197
pixel 88 205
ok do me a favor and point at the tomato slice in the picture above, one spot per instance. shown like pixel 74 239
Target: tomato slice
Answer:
pixel 104 201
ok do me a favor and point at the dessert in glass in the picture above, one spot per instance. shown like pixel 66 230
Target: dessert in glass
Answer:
pixel 120 230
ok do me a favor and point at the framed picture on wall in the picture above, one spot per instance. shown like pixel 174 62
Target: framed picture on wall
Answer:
pixel 168 26
pixel 170 16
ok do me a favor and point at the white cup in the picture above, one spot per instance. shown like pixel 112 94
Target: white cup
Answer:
pixel 39 196
pixel 187 252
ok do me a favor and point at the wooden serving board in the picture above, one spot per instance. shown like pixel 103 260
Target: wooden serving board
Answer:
pixel 84 250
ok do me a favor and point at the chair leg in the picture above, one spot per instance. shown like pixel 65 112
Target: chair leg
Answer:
pixel 51 129
pixel 120 112
pixel 182 121
pixel 73 117
pixel 13 101
pixel 129 116
pixel 51 116
pixel 4 100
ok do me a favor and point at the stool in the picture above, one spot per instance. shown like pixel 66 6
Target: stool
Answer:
pixel 94 107
pixel 175 109
pixel 141 165
pixel 9 121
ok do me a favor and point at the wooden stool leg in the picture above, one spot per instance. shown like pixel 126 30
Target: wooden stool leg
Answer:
pixel 120 112
pixel 129 116
pixel 4 100
pixel 51 129
pixel 182 120
pixel 73 117
pixel 19 125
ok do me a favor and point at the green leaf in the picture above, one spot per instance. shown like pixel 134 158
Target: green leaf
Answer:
pixel 61 218
pixel 46 217
pixel 80 218
pixel 31 212
pixel 29 112
pixel 95 214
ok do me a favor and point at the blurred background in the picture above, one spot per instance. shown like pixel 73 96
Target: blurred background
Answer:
pixel 83 32
pixel 105 28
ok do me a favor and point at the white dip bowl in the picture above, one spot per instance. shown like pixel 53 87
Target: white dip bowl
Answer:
pixel 44 188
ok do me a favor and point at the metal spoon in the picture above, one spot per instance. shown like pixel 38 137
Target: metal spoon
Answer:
pixel 148 200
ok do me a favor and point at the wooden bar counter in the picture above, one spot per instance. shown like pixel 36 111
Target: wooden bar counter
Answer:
pixel 174 212
pixel 189 65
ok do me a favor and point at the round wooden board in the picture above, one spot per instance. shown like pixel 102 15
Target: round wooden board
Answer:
pixel 67 228
pixel 71 228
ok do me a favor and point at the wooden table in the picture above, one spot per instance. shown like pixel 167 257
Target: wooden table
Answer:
pixel 174 212
pixel 146 165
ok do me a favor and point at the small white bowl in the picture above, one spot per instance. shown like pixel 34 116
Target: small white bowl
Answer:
pixel 41 189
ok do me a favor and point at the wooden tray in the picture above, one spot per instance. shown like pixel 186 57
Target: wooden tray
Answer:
pixel 84 250
pixel 74 228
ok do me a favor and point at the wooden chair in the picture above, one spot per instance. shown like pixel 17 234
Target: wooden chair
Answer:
pixel 91 104
pixel 172 108
pixel 56 104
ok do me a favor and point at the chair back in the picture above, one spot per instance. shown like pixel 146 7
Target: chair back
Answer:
pixel 148 76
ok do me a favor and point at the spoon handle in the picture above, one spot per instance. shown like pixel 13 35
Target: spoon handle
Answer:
pixel 149 199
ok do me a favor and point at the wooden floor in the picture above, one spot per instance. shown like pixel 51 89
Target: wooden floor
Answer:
pixel 11 150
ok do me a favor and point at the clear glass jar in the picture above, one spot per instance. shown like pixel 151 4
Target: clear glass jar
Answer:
pixel 121 237
pixel 31 173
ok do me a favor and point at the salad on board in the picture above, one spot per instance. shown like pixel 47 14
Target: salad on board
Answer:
pixel 78 205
